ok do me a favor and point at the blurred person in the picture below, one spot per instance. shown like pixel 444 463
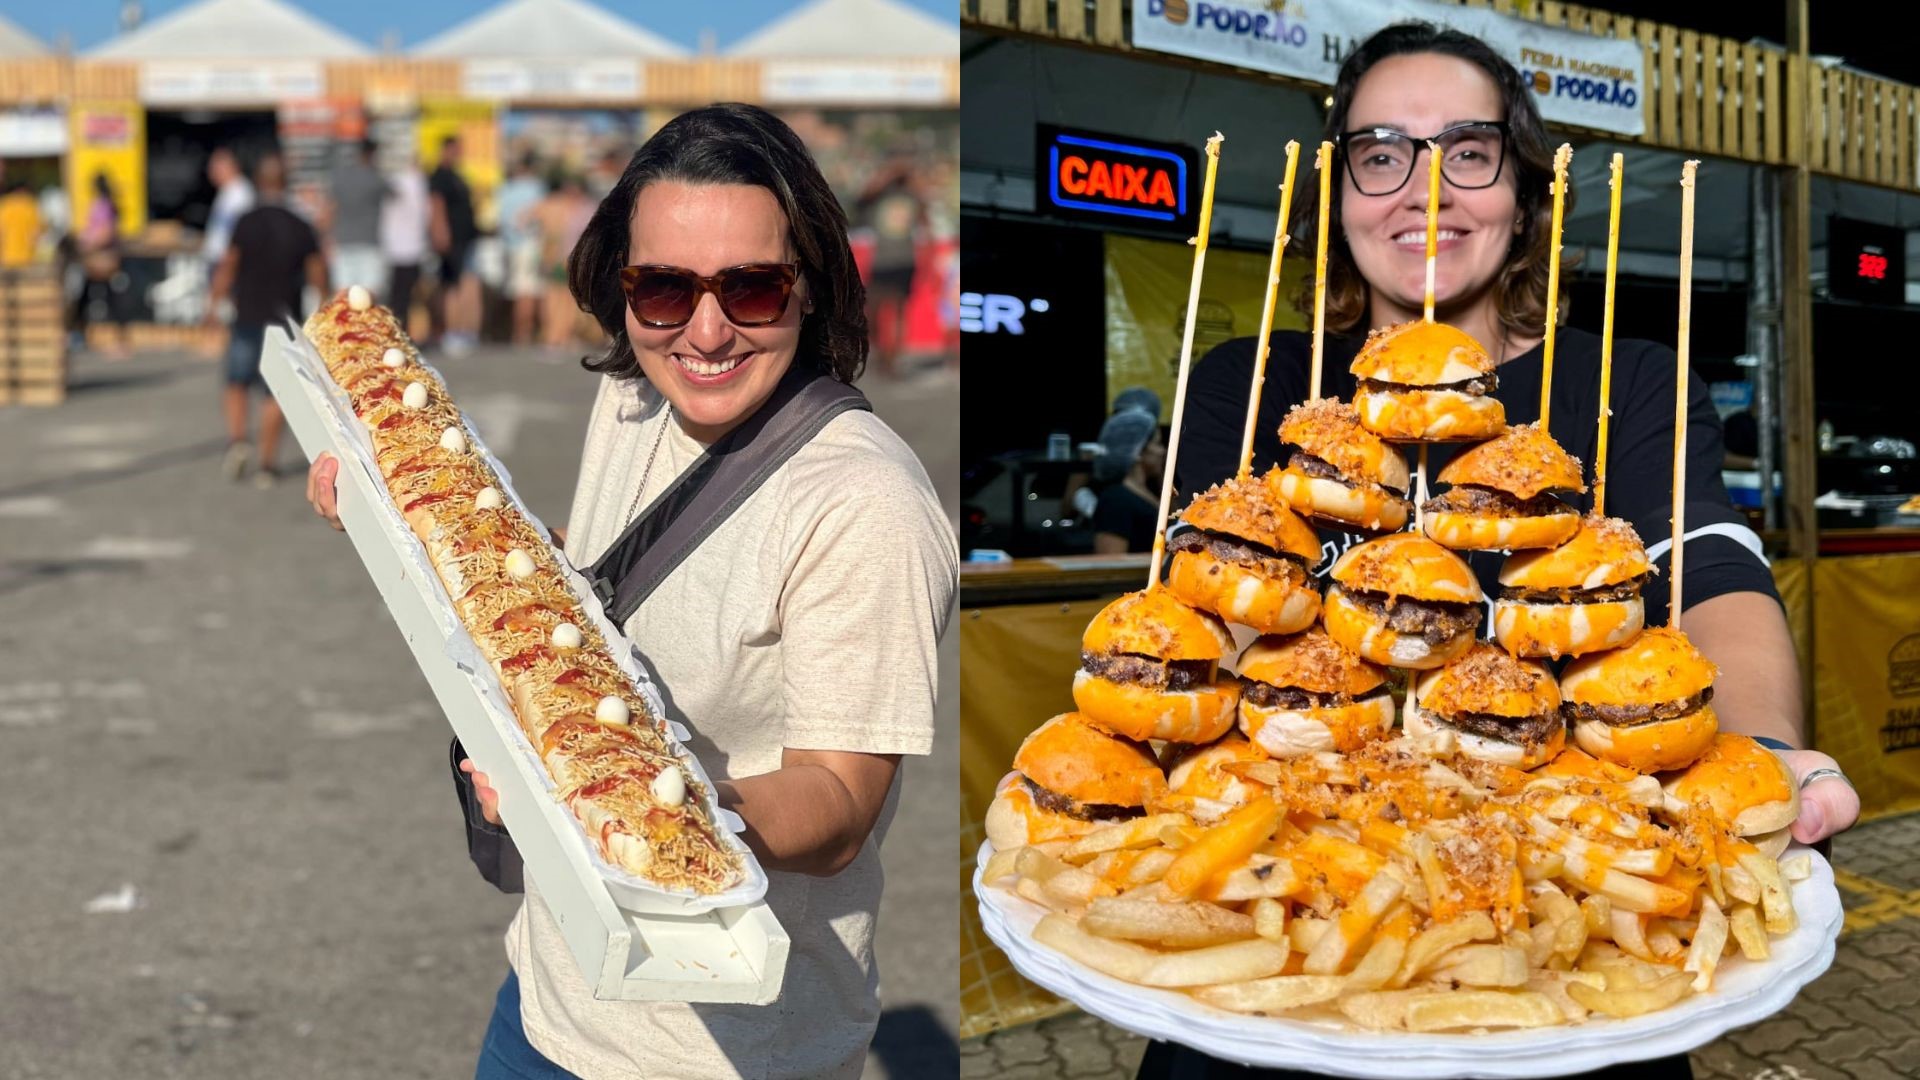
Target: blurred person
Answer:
pixel 99 248
pixel 1082 492
pixel 890 208
pixel 453 230
pixel 405 221
pixel 520 235
pixel 722 247
pixel 232 197
pixel 560 218
pixel 19 226
pixel 603 174
pixel 272 255
pixel 1126 476
pixel 357 195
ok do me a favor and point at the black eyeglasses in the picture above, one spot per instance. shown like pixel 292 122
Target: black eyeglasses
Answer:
pixel 664 297
pixel 1381 160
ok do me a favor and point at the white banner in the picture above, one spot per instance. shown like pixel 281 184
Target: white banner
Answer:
pixel 33 132
pixel 1577 79
pixel 854 82
pixel 589 80
pixel 229 82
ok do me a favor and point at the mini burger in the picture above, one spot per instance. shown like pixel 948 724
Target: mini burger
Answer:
pixel 1343 475
pixel 1068 778
pixel 1495 707
pixel 1746 785
pixel 1402 601
pixel 1304 693
pixel 1645 705
pixel 1578 598
pixel 1150 670
pixel 1499 497
pixel 1199 783
pixel 1427 382
pixel 1247 558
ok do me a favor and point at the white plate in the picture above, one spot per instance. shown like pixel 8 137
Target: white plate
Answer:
pixel 1743 992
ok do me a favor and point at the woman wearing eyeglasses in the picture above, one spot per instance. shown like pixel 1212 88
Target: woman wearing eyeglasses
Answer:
pixel 797 640
pixel 1407 85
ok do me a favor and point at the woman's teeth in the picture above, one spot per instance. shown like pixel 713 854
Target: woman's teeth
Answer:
pixel 709 367
pixel 1421 236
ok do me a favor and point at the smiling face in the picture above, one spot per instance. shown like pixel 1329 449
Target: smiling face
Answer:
pixel 1423 94
pixel 714 373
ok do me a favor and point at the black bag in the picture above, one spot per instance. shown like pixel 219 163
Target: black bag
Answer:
pixel 662 537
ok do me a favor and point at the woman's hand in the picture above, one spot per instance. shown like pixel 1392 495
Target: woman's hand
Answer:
pixel 320 488
pixel 489 798
pixel 1829 805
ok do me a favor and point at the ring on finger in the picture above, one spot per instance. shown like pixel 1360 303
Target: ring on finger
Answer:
pixel 1824 773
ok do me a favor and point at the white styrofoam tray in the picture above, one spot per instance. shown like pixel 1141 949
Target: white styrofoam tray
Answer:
pixel 633 940
pixel 1743 992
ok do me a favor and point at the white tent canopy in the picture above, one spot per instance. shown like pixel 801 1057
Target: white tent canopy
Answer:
pixel 548 28
pixel 232 29
pixel 843 28
pixel 15 42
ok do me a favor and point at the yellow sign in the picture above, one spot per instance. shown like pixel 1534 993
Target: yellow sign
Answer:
pixel 109 139
pixel 1866 643
pixel 477 125
pixel 1147 285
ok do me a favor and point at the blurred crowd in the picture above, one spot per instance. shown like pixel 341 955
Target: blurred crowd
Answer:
pixel 467 265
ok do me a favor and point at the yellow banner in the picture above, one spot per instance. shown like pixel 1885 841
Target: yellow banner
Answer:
pixel 1866 642
pixel 478 127
pixel 1147 285
pixel 109 139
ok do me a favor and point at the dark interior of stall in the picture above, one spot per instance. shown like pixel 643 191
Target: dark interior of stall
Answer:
pixel 178 145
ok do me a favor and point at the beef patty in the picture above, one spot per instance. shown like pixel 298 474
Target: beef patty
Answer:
pixel 1492 502
pixel 1628 715
pixel 1625 590
pixel 1527 732
pixel 1258 557
pixel 1434 621
pixel 1172 675
pixel 1048 799
pixel 1269 696
pixel 1478 386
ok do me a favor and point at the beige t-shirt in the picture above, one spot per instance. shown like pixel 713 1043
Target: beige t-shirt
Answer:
pixel 808 620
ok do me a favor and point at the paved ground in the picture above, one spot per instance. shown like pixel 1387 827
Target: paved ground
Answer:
pixel 229 849
pixel 1860 1021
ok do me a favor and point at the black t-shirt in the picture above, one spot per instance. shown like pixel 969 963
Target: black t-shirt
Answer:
pixel 461 227
pixel 1723 554
pixel 1123 511
pixel 273 244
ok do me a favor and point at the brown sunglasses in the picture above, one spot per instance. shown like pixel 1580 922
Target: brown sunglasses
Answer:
pixel 664 297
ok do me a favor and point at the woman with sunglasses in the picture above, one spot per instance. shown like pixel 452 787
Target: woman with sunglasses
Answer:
pixel 797 640
pixel 1404 86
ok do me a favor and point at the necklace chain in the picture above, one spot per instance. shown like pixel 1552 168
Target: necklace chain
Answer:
pixel 633 508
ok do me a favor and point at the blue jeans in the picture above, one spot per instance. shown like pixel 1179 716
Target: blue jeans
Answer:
pixel 505 1054
pixel 244 341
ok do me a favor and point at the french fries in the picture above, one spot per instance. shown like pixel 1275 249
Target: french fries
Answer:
pixel 1414 894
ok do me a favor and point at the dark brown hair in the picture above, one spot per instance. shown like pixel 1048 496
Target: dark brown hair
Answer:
pixel 731 144
pixel 1520 290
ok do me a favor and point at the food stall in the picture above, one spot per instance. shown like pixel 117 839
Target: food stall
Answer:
pixel 1799 141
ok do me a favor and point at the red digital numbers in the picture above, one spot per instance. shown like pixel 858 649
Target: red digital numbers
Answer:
pixel 1873 266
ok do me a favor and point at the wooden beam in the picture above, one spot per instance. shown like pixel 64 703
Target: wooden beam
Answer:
pixel 1688 86
pixel 1669 85
pixel 1071 19
pixel 994 13
pixel 1730 100
pixel 1643 33
pixel 1709 81
pixel 1750 147
pixel 1785 101
pixel 1902 136
pixel 1796 363
pixel 1836 119
pixel 1109 28
pixel 1033 16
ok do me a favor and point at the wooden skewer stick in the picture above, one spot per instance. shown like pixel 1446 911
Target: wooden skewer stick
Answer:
pixel 1561 159
pixel 1323 161
pixel 1420 493
pixel 1280 241
pixel 1186 358
pixel 1681 351
pixel 1606 340
pixel 1433 218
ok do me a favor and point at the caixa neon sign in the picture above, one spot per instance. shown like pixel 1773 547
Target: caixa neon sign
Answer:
pixel 1091 176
